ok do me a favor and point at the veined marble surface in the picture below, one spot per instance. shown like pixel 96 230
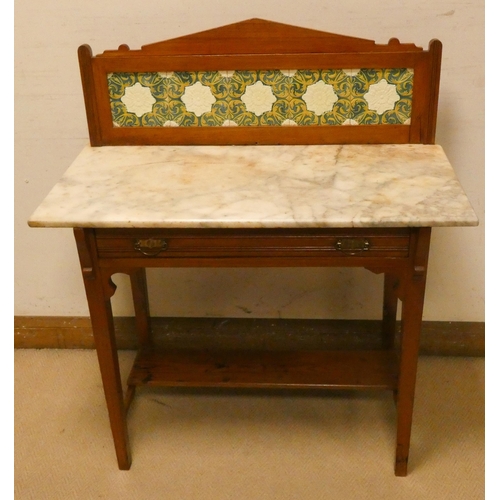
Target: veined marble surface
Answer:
pixel 257 186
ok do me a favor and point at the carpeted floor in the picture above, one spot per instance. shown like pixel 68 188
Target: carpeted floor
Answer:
pixel 189 445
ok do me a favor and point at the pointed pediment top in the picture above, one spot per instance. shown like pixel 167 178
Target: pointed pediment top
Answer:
pixel 259 36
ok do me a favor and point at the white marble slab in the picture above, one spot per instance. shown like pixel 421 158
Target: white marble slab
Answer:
pixel 257 186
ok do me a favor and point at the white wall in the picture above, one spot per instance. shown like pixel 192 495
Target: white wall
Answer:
pixel 50 130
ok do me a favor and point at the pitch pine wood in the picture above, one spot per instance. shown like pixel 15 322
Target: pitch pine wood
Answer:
pixel 98 297
pixel 355 369
pixel 258 44
pixel 400 253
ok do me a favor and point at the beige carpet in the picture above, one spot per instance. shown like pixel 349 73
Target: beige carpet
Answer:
pixel 244 445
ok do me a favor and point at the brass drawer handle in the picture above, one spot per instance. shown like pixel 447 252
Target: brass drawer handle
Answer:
pixel 151 246
pixel 352 246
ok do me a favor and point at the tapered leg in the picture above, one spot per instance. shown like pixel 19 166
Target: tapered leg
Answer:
pixel 141 304
pixel 142 318
pixel 104 335
pixel 391 284
pixel 391 290
pixel 411 323
pixel 99 290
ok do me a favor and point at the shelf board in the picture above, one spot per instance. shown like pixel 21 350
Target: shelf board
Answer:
pixel 375 369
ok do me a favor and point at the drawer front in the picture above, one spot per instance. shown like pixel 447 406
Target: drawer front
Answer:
pixel 115 243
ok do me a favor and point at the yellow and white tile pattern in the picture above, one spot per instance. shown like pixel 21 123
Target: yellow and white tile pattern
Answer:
pixel 261 97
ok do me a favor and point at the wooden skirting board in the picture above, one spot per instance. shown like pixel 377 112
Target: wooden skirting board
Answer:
pixel 445 338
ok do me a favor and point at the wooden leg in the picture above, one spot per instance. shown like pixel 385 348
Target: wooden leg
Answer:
pixel 411 323
pixel 391 293
pixel 99 290
pixel 139 286
pixel 391 285
pixel 102 325
pixel 141 304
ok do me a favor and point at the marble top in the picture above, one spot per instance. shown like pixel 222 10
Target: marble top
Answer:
pixel 257 186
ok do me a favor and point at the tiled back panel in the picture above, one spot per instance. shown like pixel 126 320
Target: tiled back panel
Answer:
pixel 261 97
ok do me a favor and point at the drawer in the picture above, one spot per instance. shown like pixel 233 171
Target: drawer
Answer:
pixel 165 243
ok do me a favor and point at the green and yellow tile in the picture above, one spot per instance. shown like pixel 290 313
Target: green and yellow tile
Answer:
pixel 261 98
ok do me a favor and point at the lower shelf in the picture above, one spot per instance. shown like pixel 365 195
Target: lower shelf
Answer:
pixel 265 369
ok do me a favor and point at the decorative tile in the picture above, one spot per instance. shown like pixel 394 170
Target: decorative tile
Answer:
pixel 198 99
pixel 320 97
pixel 138 99
pixel 372 92
pixel 261 98
pixel 381 96
pixel 258 98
